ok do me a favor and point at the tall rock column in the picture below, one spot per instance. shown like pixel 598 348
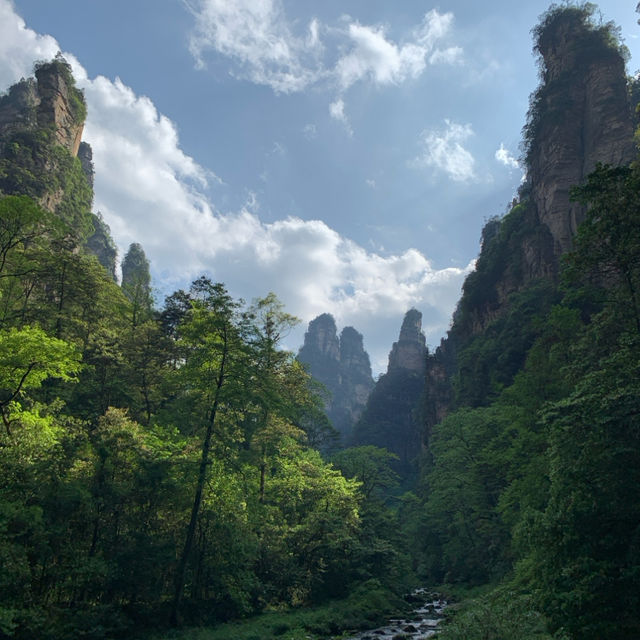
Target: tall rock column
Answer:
pixel 391 419
pixel 342 366
pixel 580 116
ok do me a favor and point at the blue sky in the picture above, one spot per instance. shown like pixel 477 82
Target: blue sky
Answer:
pixel 343 154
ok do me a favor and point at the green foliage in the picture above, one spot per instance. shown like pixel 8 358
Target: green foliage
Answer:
pixel 488 362
pixel 465 482
pixel 547 473
pixel 583 548
pixel 606 256
pixel 28 357
pixel 145 453
pixel 390 421
pixel 502 615
pixel 136 283
pixel 33 164
pixel 367 606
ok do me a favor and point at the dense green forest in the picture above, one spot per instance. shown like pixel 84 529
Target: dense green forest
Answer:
pixel 169 464
pixel 156 463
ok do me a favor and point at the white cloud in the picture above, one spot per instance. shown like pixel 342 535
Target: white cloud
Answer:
pixel 375 57
pixel 443 150
pixel 450 55
pixel 370 182
pixel 151 192
pixel 256 36
pixel 19 46
pixel 504 157
pixel 336 111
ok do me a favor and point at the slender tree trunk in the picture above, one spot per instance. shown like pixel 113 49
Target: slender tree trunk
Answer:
pixel 197 500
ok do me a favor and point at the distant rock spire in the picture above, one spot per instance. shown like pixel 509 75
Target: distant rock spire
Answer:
pixel 410 351
pixel 342 366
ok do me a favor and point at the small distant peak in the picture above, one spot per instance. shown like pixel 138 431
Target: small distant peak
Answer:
pixel 410 351
pixel 325 320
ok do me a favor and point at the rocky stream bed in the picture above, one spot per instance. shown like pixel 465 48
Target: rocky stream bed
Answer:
pixel 423 622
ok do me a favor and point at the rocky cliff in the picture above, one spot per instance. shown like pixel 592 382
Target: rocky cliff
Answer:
pixel 410 350
pixel 41 122
pixel 51 101
pixel 42 156
pixel 579 116
pixel 342 366
pixel 60 104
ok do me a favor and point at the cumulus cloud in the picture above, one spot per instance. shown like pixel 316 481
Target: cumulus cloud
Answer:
pixel 504 157
pixel 443 150
pixel 376 57
pixel 258 38
pixel 151 192
pixel 19 46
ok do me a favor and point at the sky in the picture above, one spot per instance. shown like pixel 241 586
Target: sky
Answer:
pixel 344 154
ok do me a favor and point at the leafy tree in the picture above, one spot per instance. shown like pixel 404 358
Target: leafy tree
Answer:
pixel 28 357
pixel 136 283
pixel 214 353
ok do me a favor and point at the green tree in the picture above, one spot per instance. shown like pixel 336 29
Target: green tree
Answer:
pixel 214 366
pixel 136 283
pixel 28 357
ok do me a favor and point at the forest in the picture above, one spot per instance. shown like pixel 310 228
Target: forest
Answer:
pixel 167 465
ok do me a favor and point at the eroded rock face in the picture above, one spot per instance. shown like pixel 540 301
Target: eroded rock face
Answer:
pixel 579 116
pixel 410 351
pixel 55 108
pixel 342 366
pixel 85 155
pixel 321 351
pixel 356 381
pixel 43 102
pixel 101 244
pixel 586 119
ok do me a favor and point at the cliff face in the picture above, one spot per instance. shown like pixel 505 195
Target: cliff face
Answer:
pixel 579 116
pixel 18 109
pixel 85 155
pixel 584 118
pixel 41 124
pixel 342 366
pixel 58 106
pixel 410 350
pixel 101 244
pixel 50 101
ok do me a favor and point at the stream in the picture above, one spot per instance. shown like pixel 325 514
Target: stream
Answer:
pixel 423 622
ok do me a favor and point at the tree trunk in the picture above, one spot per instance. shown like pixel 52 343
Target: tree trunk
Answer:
pixel 197 500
